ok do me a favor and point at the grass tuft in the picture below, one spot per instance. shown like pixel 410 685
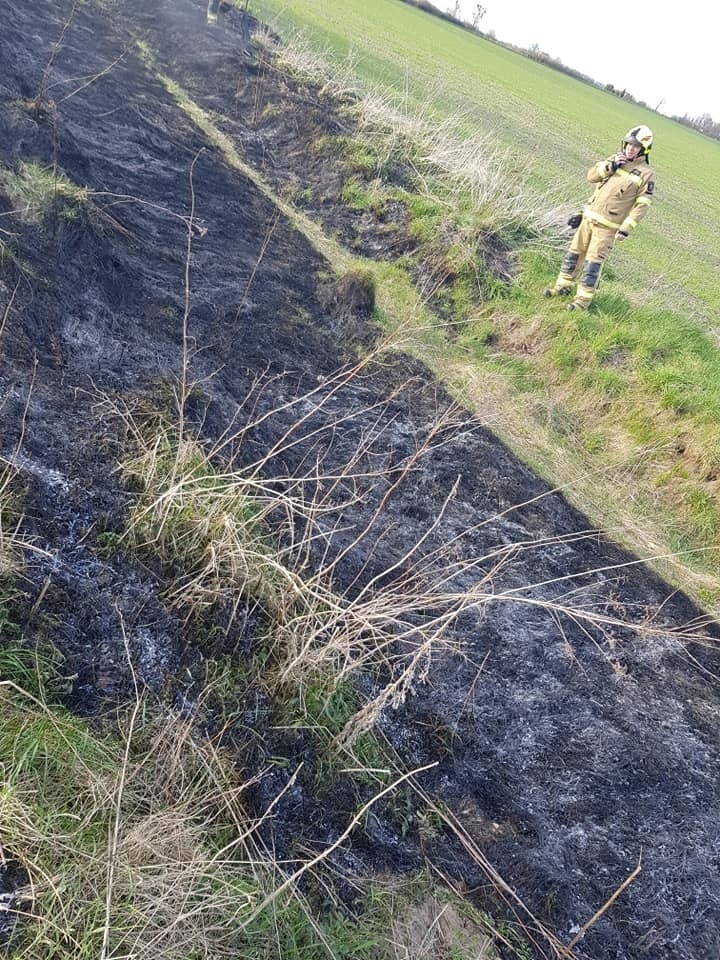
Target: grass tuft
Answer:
pixel 34 190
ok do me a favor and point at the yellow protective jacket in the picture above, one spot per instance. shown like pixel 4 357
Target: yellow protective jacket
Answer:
pixel 622 196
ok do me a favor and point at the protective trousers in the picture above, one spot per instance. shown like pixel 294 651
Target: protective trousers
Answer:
pixel 588 251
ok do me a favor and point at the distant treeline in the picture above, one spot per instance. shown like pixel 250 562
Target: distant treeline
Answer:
pixel 704 124
pixel 535 53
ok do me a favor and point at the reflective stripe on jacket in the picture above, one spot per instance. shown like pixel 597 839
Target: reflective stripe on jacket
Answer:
pixel 622 196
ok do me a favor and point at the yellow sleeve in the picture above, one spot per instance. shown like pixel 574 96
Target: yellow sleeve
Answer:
pixel 600 171
pixel 640 207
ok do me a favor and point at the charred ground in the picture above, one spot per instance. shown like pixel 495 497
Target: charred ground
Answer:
pixel 567 752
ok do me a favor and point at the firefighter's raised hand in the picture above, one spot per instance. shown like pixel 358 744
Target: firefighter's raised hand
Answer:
pixel 618 160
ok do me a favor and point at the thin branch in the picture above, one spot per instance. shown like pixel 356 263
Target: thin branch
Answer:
pixel 606 906
pixel 53 54
pixel 266 240
pixel 182 399
pixel 293 878
pixel 95 77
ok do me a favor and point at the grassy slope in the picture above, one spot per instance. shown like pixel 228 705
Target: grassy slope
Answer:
pixel 630 396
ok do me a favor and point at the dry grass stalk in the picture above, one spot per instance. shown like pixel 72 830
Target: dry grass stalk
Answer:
pixel 606 906
pixel 87 80
pixel 11 544
pixel 298 53
pixel 11 300
pixel 14 545
pixel 542 938
pixel 54 50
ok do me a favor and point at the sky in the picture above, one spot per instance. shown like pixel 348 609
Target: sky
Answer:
pixel 665 54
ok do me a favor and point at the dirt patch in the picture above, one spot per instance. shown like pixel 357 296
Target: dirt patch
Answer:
pixel 583 760
pixel 436 931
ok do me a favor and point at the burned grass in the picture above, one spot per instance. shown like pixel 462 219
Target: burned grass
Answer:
pixel 572 706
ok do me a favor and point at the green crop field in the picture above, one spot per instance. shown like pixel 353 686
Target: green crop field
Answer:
pixel 629 395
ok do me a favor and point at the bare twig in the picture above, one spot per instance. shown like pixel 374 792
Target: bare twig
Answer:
pixel 606 906
pixel 266 240
pixel 8 307
pixel 37 102
pixel 182 399
pixel 323 855
pixel 510 896
pixel 95 77
pixel 114 838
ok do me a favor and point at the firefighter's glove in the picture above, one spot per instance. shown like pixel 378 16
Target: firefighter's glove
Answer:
pixel 621 235
pixel 575 220
pixel 618 161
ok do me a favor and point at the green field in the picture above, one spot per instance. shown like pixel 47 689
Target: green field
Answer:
pixel 621 407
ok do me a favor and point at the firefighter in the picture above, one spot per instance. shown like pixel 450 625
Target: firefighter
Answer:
pixel 625 185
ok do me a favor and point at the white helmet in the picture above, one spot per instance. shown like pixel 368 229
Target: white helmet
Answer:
pixel 641 136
